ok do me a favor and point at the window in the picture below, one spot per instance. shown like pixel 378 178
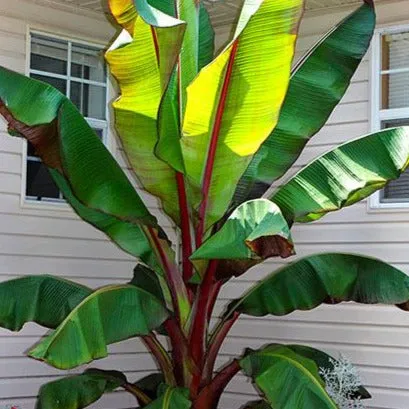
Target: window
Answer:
pixel 390 101
pixel 78 71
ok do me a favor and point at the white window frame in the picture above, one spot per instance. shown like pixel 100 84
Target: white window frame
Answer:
pixel 104 125
pixel 378 115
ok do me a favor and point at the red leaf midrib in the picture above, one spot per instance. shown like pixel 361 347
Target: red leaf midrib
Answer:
pixel 213 145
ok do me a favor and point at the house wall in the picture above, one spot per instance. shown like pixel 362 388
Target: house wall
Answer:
pixel 52 239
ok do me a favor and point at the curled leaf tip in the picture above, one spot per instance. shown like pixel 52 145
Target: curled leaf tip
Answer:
pixel 271 246
pixel 42 137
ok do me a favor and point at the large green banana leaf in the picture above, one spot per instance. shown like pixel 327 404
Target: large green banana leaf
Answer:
pixel 318 82
pixel 344 175
pixel 44 299
pixel 229 113
pixel 197 51
pixel 87 174
pixel 171 398
pixel 287 379
pixel 322 360
pixel 128 236
pixel 79 391
pixel 65 142
pixel 109 315
pixel 134 64
pixel 255 231
pixel 325 278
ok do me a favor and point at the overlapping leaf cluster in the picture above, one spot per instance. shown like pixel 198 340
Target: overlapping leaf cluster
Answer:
pixel 208 136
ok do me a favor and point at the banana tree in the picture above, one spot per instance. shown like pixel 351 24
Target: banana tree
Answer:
pixel 207 135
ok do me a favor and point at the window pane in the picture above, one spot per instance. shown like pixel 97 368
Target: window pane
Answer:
pixel 397 190
pixel 39 182
pixel 89 99
pixel 61 85
pixel 395 90
pixel 88 63
pixel 395 51
pixel 395 85
pixel 49 55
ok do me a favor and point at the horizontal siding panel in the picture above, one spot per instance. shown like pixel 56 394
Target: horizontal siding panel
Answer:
pixel 338 314
pixel 74 228
pixel 27 367
pixel 10 183
pixel 62 247
pixel 9 144
pixel 336 134
pixel 10 205
pixel 359 213
pixel 371 356
pixel 305 332
pixel 357 92
pixel 67 266
pixel 16 346
pixel 357 111
pixel 12 43
pixel 356 233
pixel 22 224
pixel 12 26
pixel 16 62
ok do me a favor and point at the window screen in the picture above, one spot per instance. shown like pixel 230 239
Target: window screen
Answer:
pixel 79 72
pixel 395 101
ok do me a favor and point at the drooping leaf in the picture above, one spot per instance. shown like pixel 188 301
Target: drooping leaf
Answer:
pixel 229 113
pixel 92 181
pixel 287 380
pixel 128 236
pixel 79 391
pixel 318 82
pixel 67 143
pixel 256 230
pixel 171 398
pixel 109 315
pixel 344 175
pixel 325 278
pixel 44 299
pixel 326 362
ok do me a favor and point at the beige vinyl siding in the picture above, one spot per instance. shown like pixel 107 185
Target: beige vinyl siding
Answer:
pixel 376 338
